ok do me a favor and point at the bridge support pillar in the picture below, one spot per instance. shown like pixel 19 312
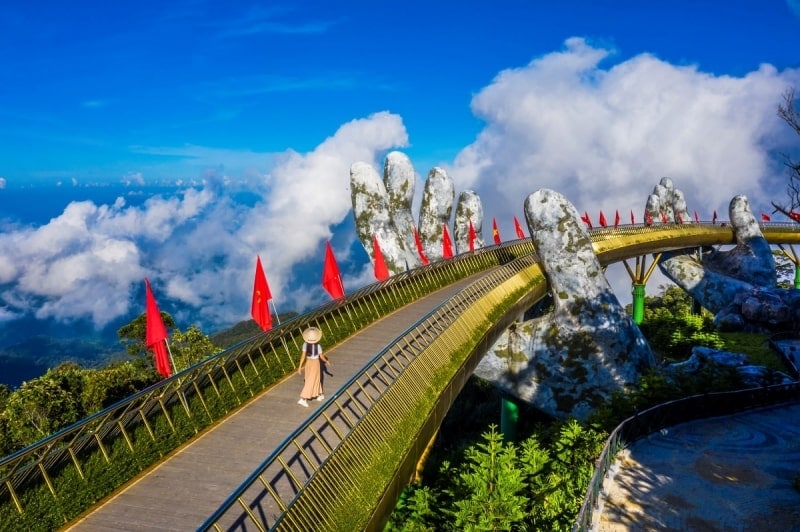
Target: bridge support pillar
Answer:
pixel 638 303
pixel 509 416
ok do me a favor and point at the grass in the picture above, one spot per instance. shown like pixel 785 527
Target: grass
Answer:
pixel 756 347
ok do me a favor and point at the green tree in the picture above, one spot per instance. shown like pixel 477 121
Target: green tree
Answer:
pixel 106 386
pixel 38 408
pixel 4 393
pixel 132 337
pixel 672 329
pixel 6 443
pixel 416 511
pixel 488 491
pixel 190 347
pixel 558 489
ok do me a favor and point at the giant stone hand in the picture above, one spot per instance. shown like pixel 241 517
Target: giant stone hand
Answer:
pixel 382 210
pixel 737 285
pixel 571 360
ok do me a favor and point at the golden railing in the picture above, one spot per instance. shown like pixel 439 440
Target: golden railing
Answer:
pixel 184 404
pixel 458 335
pixel 354 480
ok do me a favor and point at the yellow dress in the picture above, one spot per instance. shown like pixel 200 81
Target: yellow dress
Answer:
pixel 312 374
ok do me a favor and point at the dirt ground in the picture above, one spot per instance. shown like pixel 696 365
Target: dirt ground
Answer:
pixel 729 473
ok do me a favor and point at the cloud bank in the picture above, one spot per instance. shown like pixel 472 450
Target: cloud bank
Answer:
pixel 599 132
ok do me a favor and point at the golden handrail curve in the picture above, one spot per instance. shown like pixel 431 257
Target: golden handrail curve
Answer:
pixel 235 371
pixel 439 368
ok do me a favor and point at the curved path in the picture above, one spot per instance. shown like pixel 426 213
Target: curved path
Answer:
pixel 184 489
pixel 727 473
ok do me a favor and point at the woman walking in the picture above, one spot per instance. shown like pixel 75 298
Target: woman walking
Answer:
pixel 310 361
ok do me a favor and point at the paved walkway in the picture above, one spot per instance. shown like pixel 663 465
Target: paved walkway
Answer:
pixel 183 490
pixel 732 473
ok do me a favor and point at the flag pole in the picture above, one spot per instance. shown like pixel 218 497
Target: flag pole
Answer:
pixel 277 318
pixel 171 360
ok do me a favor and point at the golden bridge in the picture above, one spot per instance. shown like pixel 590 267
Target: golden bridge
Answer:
pixel 234 450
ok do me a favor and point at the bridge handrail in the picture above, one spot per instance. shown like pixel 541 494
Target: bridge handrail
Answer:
pixel 275 486
pixel 184 390
pixel 254 510
pixel 671 413
pixel 238 366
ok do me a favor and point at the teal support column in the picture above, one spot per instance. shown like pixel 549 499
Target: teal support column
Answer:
pixel 509 416
pixel 797 276
pixel 638 303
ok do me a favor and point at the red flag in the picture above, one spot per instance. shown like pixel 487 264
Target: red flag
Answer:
pixel 331 279
pixel 518 228
pixel 471 237
pixel 586 219
pixel 765 217
pixel 602 219
pixel 663 217
pixel 155 337
pixel 259 309
pixel 714 217
pixel 381 271
pixel 420 251
pixel 648 219
pixel 696 218
pixel 616 219
pixel 794 216
pixel 679 217
pixel 633 220
pixel 447 244
pixel 495 232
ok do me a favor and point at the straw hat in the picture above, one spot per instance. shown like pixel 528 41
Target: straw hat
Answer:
pixel 312 335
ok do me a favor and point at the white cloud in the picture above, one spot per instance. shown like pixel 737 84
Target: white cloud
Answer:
pixel 601 133
pixel 605 135
pixel 197 248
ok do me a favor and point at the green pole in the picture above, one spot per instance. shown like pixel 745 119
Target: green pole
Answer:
pixel 509 415
pixel 638 303
pixel 797 275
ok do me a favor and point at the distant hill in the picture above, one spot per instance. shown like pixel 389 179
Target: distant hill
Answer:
pixel 244 330
pixel 31 358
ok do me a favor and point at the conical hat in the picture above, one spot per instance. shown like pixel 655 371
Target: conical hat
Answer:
pixel 312 335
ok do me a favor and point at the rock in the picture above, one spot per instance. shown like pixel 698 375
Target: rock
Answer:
pixel 435 211
pixel 399 178
pixel 373 217
pixel 752 376
pixel 737 285
pixel 572 360
pixel 468 209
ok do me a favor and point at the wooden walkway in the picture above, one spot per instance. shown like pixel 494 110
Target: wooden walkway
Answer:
pixel 189 485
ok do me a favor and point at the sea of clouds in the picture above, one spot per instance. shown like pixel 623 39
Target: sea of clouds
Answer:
pixel 600 132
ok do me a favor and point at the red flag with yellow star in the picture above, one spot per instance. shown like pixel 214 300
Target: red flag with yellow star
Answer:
pixel 495 232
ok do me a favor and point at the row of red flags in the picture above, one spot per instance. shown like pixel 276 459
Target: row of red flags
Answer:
pixel 648 219
pixel 156 332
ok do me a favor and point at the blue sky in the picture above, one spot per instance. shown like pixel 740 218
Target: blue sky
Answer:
pixel 262 108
